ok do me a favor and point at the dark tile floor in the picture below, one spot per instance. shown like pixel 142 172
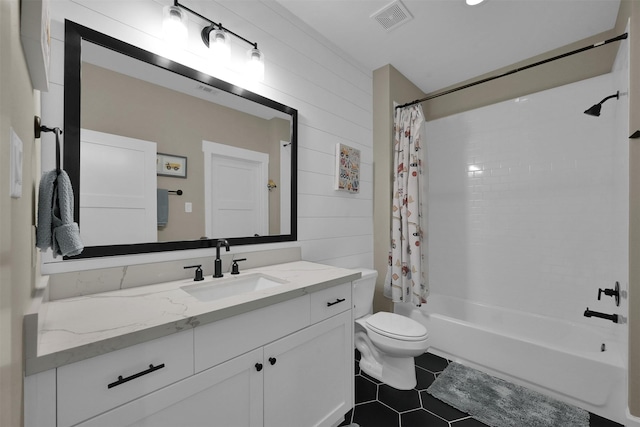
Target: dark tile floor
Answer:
pixel 378 405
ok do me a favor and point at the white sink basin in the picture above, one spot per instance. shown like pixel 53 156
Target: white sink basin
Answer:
pixel 230 286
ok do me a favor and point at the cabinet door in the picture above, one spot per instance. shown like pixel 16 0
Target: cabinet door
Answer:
pixel 310 382
pixel 227 395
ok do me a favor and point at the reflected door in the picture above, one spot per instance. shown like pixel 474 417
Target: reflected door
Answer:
pixel 236 202
pixel 118 191
pixel 285 187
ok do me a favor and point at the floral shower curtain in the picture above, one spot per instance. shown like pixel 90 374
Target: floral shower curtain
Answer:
pixel 406 274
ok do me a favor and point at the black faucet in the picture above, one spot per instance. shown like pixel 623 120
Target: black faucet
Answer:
pixel 218 263
pixel 590 313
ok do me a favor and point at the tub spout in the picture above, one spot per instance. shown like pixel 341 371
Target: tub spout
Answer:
pixel 590 313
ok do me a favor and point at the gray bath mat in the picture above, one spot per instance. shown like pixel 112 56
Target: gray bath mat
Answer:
pixel 499 403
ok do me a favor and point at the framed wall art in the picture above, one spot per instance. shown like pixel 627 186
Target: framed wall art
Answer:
pixel 347 168
pixel 171 165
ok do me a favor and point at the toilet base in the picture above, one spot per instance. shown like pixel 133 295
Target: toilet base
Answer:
pixel 397 372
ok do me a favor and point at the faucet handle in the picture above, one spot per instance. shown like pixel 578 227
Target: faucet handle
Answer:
pixel 615 292
pixel 198 268
pixel 234 266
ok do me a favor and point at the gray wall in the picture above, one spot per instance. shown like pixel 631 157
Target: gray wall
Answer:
pixel 17 256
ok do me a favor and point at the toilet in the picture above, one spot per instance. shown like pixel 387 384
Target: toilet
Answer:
pixel 387 342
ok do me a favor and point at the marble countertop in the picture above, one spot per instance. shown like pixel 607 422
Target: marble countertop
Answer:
pixel 65 331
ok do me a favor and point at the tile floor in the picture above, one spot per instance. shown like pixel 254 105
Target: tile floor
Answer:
pixel 378 405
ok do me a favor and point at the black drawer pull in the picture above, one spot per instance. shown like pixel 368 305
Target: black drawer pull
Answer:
pixel 272 360
pixel 338 301
pixel 134 376
pixel 258 367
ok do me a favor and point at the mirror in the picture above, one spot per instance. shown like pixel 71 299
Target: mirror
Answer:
pixel 163 157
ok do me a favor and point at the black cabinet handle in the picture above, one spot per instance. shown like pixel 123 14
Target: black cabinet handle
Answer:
pixel 338 301
pixel 258 367
pixel 134 376
pixel 272 360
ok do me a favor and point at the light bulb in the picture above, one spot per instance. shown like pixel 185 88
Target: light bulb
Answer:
pixel 174 25
pixel 255 64
pixel 220 46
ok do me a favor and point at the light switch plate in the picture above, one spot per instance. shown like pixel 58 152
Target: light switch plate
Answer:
pixel 15 167
pixel 188 207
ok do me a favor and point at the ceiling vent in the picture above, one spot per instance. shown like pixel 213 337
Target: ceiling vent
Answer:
pixel 392 15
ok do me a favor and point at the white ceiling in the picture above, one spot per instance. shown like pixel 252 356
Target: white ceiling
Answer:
pixel 447 41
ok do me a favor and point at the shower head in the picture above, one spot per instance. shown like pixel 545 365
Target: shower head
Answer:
pixel 595 110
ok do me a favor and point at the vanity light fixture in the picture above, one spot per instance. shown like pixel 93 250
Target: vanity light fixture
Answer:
pixel 255 64
pixel 220 45
pixel 174 25
pixel 216 37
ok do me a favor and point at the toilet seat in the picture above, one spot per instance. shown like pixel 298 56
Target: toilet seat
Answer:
pixel 395 326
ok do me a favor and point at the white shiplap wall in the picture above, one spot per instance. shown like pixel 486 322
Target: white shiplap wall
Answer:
pixel 333 96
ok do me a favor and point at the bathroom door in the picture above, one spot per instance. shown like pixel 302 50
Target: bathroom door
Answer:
pixel 236 194
pixel 118 189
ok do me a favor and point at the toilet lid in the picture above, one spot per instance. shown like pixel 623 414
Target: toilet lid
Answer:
pixel 396 326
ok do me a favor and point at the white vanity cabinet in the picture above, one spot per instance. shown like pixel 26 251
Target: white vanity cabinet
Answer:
pixel 289 364
pixel 310 382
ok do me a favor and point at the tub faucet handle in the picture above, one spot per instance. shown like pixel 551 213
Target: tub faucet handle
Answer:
pixel 615 292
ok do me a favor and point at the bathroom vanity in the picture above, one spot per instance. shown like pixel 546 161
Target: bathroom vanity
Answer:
pixel 176 354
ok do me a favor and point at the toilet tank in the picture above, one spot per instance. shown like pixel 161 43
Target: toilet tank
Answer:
pixel 363 290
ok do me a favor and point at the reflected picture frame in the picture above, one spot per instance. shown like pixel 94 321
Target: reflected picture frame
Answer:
pixel 171 165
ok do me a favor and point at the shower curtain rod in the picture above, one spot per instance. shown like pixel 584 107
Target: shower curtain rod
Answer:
pixel 516 70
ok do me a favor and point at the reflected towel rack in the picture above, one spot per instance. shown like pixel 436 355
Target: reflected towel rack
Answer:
pixel 177 192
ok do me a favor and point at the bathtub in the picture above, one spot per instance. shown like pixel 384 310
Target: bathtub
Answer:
pixel 554 357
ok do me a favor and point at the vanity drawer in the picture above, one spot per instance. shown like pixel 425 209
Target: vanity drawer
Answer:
pixel 95 385
pixel 331 301
pixel 220 341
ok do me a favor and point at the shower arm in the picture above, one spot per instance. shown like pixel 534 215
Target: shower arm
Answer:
pixel 617 95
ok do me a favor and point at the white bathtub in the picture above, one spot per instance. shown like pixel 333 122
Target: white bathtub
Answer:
pixel 558 358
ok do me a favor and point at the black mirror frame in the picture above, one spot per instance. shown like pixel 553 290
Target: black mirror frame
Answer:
pixel 74 34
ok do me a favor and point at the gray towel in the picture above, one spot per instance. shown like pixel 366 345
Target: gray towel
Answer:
pixel 56 229
pixel 44 232
pixel 163 207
